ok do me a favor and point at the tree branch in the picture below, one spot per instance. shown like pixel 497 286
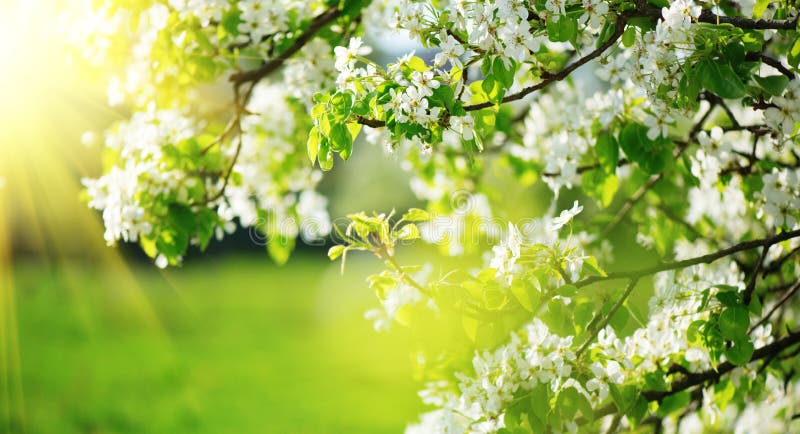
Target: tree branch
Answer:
pixel 372 123
pixel 746 23
pixel 639 194
pixel 775 63
pixel 792 290
pixel 705 17
pixel 704 259
pixel 628 205
pixel 692 380
pixel 751 284
pixel 595 330
pixel 317 23
pixel 777 264
pixel 549 79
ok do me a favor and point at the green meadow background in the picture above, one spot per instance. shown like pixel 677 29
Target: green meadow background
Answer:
pixel 231 344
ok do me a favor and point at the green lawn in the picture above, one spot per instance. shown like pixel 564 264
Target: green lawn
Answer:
pixel 222 345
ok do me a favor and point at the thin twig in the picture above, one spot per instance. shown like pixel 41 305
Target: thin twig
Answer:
pixel 317 24
pixel 723 368
pixel 746 23
pixel 786 296
pixel 751 284
pixel 549 79
pixel 628 205
pixel 608 317
pixel 704 259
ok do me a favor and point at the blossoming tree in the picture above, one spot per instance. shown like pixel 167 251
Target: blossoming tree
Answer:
pixel 690 134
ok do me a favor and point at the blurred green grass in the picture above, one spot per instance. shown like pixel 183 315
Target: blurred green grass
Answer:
pixel 223 345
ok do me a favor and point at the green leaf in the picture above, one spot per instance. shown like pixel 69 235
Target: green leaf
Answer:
pixel 148 245
pixel 694 332
pixel 325 155
pixel 563 30
pixel 570 401
pixel 638 410
pixel 620 319
pixel 206 220
pixel 773 84
pixel 690 85
pixel 312 146
pixel 673 403
pixel 181 218
pixel 623 396
pixel 600 185
pixel 760 7
pixel 733 322
pixel 446 96
pixel 558 317
pixel 724 393
pixel 590 264
pixel 417 64
pixel 728 298
pixel 230 21
pixel 280 247
pixel 567 290
pixel 361 107
pixel 740 353
pixel 355 129
pixel 486 275
pixel 540 402
pixel 502 73
pixel 494 90
pixel 537 425
pixel 607 150
pixel 352 8
pixel 583 314
pixel 335 251
pixel 341 104
pixel 755 306
pixel 416 215
pixel 656 381
pixel 340 137
pixel 794 54
pixel 172 243
pixel 650 155
pixel 408 232
pixel 629 36
pixel 485 121
pixel 606 32
pixel 721 79
pixel 520 292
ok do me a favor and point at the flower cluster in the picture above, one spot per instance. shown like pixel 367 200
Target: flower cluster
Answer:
pixel 535 356
pixel 785 115
pixel 273 174
pixel 164 169
pixel 781 196
pixel 657 60
pixel 125 193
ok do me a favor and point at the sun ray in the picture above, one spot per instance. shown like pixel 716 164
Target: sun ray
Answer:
pixel 10 364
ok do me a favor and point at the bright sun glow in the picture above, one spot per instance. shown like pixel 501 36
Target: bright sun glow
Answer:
pixel 26 55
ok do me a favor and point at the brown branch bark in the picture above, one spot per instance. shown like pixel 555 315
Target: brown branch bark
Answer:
pixel 697 379
pixel 549 79
pixel 746 23
pixel 704 259
pixel 317 24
